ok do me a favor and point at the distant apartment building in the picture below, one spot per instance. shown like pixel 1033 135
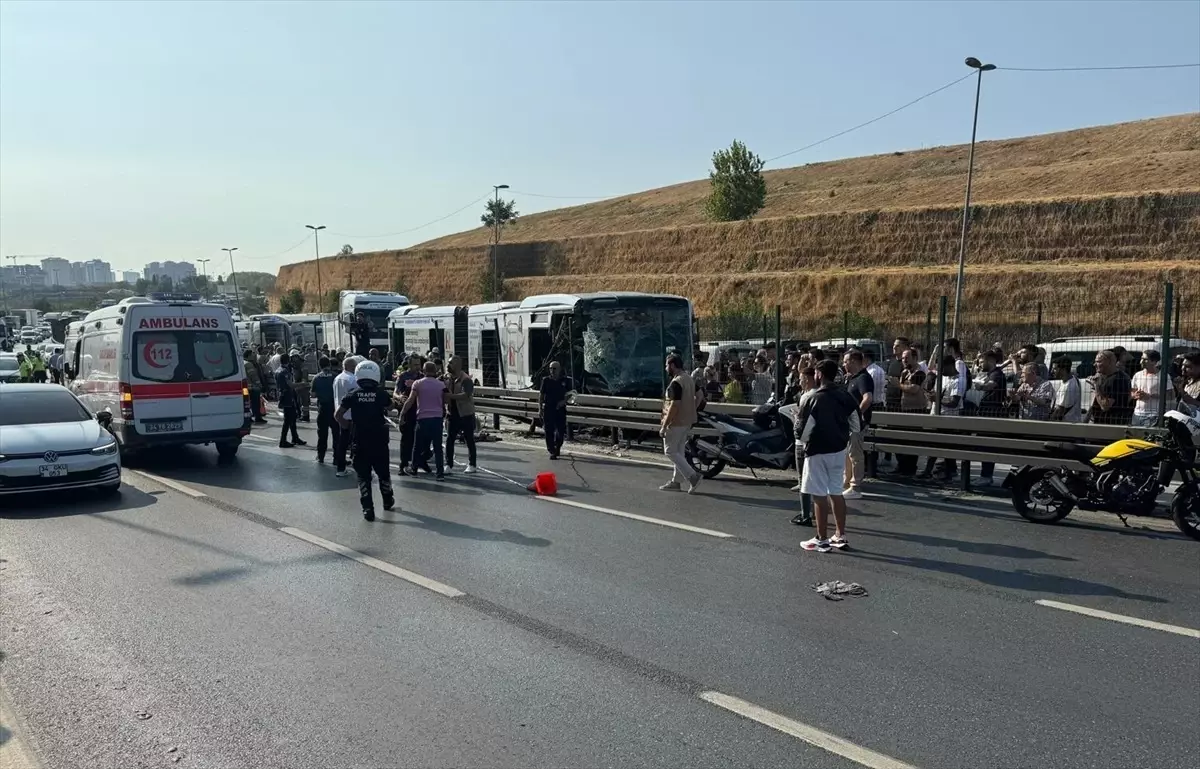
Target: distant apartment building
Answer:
pixel 58 271
pixel 23 275
pixel 176 271
pixel 130 276
pixel 97 273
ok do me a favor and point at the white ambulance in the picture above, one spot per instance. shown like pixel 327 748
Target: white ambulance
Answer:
pixel 168 369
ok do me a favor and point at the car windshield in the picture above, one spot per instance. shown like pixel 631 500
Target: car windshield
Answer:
pixel 624 348
pixel 9 364
pixel 184 356
pixel 46 406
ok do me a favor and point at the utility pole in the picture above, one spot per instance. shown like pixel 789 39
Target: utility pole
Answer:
pixel 233 274
pixel 966 217
pixel 204 267
pixel 496 240
pixel 317 251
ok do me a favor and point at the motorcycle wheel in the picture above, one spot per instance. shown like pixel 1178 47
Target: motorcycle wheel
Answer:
pixel 708 467
pixel 1185 511
pixel 1035 501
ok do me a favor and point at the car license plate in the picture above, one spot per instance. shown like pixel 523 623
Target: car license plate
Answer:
pixel 52 471
pixel 173 426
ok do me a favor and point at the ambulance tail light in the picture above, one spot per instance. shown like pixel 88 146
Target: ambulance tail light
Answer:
pixel 126 401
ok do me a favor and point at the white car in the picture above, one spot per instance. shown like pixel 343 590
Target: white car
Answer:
pixel 10 368
pixel 50 442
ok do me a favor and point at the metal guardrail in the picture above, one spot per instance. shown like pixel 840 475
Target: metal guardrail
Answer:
pixel 966 439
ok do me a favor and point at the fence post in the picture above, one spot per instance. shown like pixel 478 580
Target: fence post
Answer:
pixel 941 353
pixel 764 331
pixel 1178 304
pixel 1038 334
pixel 929 330
pixel 778 351
pixel 1165 352
pixel 845 328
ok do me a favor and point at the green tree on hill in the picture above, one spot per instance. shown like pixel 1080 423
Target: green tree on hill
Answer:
pixel 347 250
pixel 739 190
pixel 499 212
pixel 292 301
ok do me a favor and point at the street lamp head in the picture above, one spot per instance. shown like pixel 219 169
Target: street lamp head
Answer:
pixel 987 68
pixel 501 186
pixel 311 227
pixel 974 63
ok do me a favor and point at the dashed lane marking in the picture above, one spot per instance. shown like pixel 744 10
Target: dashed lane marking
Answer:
pixel 635 517
pixel 1122 618
pixel 170 484
pixel 805 733
pixel 375 563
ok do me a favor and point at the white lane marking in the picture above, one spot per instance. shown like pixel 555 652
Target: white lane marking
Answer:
pixel 579 454
pixel 260 438
pixel 1176 629
pixel 810 734
pixel 635 517
pixel 375 563
pixel 170 484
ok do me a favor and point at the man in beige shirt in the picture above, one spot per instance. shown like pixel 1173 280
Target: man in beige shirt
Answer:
pixel 679 414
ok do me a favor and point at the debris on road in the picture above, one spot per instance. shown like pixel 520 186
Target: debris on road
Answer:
pixel 835 590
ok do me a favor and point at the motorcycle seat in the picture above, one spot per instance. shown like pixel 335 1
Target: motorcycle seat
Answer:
pixel 1071 450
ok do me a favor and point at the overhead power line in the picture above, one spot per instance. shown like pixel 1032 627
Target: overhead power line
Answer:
pixel 418 227
pixel 1099 69
pixel 872 120
pixel 281 253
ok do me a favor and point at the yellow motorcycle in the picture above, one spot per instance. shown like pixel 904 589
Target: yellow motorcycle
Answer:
pixel 1125 477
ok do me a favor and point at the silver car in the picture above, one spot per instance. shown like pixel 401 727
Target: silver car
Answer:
pixel 10 368
pixel 50 442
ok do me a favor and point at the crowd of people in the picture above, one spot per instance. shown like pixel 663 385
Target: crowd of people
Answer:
pixel 838 392
pixel 38 366
pixel 432 395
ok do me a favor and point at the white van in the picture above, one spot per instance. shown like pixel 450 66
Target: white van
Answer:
pixel 168 370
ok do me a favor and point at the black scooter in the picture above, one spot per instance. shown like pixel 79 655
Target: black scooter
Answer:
pixel 765 442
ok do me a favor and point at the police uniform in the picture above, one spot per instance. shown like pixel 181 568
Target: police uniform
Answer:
pixel 368 407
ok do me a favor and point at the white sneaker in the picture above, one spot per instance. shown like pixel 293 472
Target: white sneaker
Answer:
pixel 669 486
pixel 820 545
pixel 694 484
pixel 470 470
pixel 341 473
pixel 839 542
pixel 852 494
pixel 796 487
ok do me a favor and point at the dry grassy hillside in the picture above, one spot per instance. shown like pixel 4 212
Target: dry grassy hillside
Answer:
pixel 1128 158
pixel 1093 220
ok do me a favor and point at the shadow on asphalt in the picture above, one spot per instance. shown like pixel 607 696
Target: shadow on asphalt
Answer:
pixel 1017 579
pixel 978 548
pixel 461 530
pixel 81 502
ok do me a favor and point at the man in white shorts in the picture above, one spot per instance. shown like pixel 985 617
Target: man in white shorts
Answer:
pixel 826 421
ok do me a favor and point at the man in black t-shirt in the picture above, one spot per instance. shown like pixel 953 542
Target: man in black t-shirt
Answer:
pixel 861 387
pixel 368 406
pixel 1112 404
pixel 993 403
pixel 360 329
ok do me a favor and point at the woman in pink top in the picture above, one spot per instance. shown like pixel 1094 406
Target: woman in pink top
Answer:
pixel 429 400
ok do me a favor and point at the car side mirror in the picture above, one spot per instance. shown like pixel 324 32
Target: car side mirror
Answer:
pixel 105 419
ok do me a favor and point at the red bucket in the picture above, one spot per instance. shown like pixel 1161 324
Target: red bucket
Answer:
pixel 545 484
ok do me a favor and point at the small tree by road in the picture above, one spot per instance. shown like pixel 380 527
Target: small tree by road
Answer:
pixel 292 301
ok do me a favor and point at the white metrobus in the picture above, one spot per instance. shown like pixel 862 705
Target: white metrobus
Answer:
pixel 609 343
pixel 168 369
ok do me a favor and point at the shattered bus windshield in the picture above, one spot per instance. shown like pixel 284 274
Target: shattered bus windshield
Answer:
pixel 624 348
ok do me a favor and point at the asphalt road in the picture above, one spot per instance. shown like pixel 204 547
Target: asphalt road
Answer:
pixel 206 611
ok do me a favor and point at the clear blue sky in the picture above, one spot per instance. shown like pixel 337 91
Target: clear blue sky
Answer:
pixel 148 131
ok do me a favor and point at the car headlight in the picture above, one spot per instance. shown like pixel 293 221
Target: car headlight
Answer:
pixel 105 450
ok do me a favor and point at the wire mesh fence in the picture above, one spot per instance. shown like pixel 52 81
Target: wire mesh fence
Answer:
pixel 1137 312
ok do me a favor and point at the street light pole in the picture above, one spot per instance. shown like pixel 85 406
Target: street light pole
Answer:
pixel 966 216
pixel 204 267
pixel 2 288
pixel 317 251
pixel 496 239
pixel 233 274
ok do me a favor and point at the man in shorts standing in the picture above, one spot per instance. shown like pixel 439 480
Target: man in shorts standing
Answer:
pixel 827 421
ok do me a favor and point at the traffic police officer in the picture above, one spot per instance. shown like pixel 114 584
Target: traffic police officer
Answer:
pixel 368 407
